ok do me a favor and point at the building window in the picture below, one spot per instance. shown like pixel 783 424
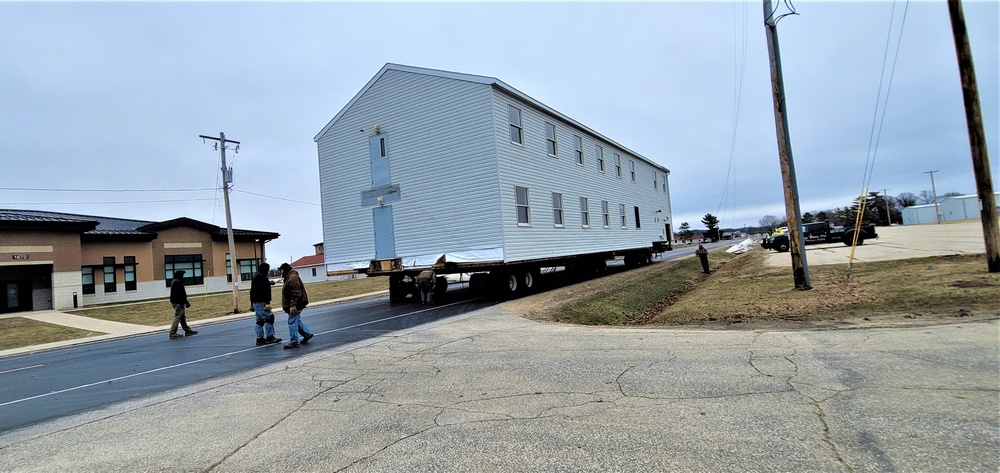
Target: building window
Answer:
pixel 656 185
pixel 621 212
pixel 523 211
pixel 607 214
pixel 664 183
pixel 246 269
pixel 130 284
pixel 110 285
pixel 578 143
pixel 190 264
pixel 584 212
pixel 314 272
pixel 618 165
pixel 87 279
pixel 557 209
pixel 637 224
pixel 631 168
pixel 550 139
pixel 600 159
pixel 514 117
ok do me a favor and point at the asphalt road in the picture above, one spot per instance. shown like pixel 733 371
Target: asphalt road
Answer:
pixel 46 385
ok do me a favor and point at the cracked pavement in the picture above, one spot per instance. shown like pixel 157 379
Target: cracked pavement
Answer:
pixel 490 391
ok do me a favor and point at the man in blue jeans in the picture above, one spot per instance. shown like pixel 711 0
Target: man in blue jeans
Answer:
pixel 260 300
pixel 293 300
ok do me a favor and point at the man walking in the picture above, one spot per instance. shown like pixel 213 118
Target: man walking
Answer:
pixel 179 299
pixel 260 300
pixel 293 300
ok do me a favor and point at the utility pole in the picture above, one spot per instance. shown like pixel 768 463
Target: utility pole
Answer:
pixel 227 179
pixel 937 213
pixel 977 138
pixel 888 214
pixel 796 244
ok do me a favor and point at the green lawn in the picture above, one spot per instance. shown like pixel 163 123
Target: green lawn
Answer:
pixel 20 332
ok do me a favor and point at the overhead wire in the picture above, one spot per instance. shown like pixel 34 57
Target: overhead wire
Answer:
pixel 876 131
pixel 739 60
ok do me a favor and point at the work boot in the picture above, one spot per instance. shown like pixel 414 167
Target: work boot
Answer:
pixel 173 336
pixel 261 341
pixel 291 345
pixel 306 338
pixel 272 340
pixel 188 333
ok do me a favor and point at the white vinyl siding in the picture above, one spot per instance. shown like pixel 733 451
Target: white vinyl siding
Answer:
pixel 451 152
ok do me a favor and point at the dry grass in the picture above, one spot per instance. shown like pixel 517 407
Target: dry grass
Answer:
pixel 159 312
pixel 20 332
pixel 743 290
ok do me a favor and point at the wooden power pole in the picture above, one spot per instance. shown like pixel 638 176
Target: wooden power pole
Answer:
pixel 977 138
pixel 796 243
pixel 227 179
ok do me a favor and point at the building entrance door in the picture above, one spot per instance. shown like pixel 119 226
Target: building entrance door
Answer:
pixel 16 296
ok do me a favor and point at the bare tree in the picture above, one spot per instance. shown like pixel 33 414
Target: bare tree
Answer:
pixel 770 222
pixel 925 198
pixel 906 199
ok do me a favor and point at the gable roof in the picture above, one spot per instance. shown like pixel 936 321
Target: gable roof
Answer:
pixel 492 81
pixel 311 260
pixel 94 228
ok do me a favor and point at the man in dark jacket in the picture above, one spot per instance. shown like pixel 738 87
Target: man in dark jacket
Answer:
pixel 260 300
pixel 179 299
pixel 293 300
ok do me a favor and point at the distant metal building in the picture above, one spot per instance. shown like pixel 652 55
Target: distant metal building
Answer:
pixel 423 164
pixel 961 207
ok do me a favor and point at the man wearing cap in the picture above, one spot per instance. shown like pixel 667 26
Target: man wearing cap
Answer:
pixel 293 300
pixel 260 299
pixel 179 299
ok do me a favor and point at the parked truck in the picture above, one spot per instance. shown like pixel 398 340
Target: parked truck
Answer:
pixel 822 232
pixel 465 174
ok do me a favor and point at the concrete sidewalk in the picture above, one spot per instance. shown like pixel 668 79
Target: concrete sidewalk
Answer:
pixel 490 391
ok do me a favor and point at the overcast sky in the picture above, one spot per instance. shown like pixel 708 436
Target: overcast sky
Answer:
pixel 113 96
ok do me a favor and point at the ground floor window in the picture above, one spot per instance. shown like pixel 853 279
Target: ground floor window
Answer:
pixel 190 264
pixel 87 279
pixel 247 267
pixel 110 285
pixel 130 284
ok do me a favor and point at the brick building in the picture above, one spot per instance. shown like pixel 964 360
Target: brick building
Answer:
pixel 52 260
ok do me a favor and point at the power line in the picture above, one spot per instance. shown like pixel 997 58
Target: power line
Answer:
pixel 107 202
pixel 40 189
pixel 273 197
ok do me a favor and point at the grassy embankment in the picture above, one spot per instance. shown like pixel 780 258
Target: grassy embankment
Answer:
pixel 743 289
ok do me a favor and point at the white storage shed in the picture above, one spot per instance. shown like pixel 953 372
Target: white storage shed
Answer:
pixel 424 163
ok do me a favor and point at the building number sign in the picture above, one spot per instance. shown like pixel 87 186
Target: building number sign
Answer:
pixel 19 257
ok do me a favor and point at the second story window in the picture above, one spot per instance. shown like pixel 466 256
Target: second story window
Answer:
pixel 578 144
pixel 600 159
pixel 656 185
pixel 514 117
pixel 550 139
pixel 631 168
pixel 618 165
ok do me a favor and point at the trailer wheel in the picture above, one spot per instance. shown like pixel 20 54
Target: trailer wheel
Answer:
pixel 440 288
pixel 782 247
pixel 397 288
pixel 512 284
pixel 479 283
pixel 530 278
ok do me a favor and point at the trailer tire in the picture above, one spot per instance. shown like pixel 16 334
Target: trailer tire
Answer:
pixel 782 247
pixel 530 278
pixel 479 283
pixel 511 283
pixel 397 288
pixel 440 288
